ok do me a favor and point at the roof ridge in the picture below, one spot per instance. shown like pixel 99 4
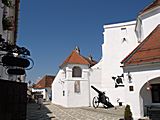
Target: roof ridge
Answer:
pixel 44 82
pixel 150 6
pixel 84 58
pixel 77 58
pixel 67 59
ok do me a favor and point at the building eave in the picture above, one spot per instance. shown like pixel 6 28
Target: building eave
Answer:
pixel 121 24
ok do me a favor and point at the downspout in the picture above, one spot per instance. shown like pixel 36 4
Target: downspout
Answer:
pixel 17 6
pixel 89 88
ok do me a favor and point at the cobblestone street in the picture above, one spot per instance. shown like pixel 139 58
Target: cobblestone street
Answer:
pixel 55 112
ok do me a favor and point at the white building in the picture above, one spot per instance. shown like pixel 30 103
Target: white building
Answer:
pixel 43 87
pixel 130 53
pixel 71 85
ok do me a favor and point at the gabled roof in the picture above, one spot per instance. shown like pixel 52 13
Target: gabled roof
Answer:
pixel 45 82
pixel 76 58
pixel 146 52
pixel 151 6
pixel 91 61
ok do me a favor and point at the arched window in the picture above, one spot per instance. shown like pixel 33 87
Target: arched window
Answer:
pixel 76 72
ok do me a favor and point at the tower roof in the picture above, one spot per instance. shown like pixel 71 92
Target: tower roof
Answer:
pixel 76 58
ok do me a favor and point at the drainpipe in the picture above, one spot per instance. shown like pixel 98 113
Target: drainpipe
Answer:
pixel 89 88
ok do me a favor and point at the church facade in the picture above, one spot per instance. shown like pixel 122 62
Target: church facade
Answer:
pixel 129 71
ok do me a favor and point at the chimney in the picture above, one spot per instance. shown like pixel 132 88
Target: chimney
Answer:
pixel 90 57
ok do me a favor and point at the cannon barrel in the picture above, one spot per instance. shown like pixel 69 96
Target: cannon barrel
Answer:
pixel 98 91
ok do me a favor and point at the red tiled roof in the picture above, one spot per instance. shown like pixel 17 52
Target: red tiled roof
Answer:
pixel 45 82
pixel 146 52
pixel 91 62
pixel 76 58
pixel 151 6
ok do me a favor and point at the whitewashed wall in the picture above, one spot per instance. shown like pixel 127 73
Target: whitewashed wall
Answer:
pixel 114 50
pixel 58 86
pixel 64 83
pixel 78 99
pixel 95 80
pixel 150 20
pixel 139 79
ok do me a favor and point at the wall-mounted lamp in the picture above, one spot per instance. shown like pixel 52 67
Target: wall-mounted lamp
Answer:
pixel 129 77
pixel 149 87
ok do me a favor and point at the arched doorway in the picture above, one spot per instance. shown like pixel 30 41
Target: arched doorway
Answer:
pixel 150 97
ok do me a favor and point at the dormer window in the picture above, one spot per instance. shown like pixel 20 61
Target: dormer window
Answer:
pixel 76 72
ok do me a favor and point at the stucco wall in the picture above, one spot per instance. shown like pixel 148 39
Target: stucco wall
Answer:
pixel 63 87
pixel 78 99
pixel 114 49
pixel 149 22
pixel 119 40
pixel 95 80
pixel 134 98
pixel 58 86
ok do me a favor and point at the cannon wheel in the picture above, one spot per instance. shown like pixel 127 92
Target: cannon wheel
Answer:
pixel 95 102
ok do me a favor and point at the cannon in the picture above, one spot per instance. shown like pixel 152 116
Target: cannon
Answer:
pixel 101 98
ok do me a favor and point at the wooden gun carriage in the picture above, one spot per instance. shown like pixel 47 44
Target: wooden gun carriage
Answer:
pixel 101 98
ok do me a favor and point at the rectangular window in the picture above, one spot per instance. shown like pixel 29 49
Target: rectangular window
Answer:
pixel 131 88
pixel 63 93
pixel 155 93
pixel 77 86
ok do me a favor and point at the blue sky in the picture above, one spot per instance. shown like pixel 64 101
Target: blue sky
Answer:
pixel 51 29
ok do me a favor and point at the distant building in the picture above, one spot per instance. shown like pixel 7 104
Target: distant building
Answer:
pixel 43 86
pixel 129 71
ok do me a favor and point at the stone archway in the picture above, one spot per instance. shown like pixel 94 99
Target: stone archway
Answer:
pixel 147 97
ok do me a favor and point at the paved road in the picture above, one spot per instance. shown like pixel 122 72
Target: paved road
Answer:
pixel 55 112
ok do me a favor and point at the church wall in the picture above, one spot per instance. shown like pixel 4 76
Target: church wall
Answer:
pixel 58 89
pixel 119 40
pixel 138 81
pixel 81 98
pixel 149 22
pixel 115 95
pixel 63 87
pixel 95 80
pixel 78 99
